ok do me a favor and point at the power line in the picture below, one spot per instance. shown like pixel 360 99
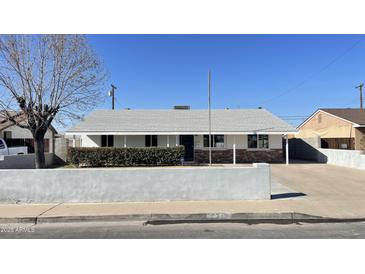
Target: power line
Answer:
pixel 351 103
pixel 311 76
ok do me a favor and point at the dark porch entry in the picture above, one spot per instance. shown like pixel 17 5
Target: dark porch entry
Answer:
pixel 338 143
pixel 188 142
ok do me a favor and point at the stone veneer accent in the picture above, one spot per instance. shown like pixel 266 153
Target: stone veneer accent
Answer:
pixel 225 156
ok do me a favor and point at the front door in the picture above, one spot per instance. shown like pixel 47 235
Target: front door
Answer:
pixel 188 142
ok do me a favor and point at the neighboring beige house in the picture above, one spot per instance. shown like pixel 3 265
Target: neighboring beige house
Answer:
pixel 16 136
pixel 238 135
pixel 337 128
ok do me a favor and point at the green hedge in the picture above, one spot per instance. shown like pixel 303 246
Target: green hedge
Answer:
pixel 126 157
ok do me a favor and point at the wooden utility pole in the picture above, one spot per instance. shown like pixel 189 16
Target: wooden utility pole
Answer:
pixel 360 88
pixel 112 94
pixel 210 121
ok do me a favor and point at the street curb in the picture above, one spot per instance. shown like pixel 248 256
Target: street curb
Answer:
pixel 7 220
pixel 161 219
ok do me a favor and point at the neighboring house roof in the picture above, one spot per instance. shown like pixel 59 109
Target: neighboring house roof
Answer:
pixel 5 123
pixel 181 121
pixel 356 116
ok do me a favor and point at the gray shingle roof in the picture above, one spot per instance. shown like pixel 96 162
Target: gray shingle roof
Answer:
pixel 223 120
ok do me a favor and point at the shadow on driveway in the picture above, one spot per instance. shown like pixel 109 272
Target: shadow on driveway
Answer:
pixel 287 195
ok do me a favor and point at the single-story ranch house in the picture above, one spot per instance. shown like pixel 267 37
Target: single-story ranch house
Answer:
pixel 238 135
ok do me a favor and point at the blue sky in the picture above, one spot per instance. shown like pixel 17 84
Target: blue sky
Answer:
pixel 290 75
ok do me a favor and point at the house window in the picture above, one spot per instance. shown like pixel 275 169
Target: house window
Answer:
pixel 217 141
pixel 263 141
pixel 7 135
pixel 107 140
pixel 252 141
pixel 257 141
pixel 151 141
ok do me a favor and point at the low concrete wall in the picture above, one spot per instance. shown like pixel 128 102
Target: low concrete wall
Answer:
pixel 136 184
pixel 310 149
pixel 340 157
pixel 26 161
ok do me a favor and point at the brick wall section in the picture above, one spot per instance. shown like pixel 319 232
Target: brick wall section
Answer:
pixel 225 156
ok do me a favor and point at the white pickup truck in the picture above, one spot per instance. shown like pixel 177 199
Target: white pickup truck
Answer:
pixel 5 150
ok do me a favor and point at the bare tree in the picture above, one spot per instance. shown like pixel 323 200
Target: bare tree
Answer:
pixel 48 78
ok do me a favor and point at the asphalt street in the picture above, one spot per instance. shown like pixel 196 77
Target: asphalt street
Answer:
pixel 137 230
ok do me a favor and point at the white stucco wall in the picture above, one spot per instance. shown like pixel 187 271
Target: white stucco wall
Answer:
pixel 241 141
pixel 119 141
pixel 136 141
pixel 275 141
pixel 22 133
pixel 136 184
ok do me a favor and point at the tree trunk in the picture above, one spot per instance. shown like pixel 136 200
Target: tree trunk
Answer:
pixel 40 160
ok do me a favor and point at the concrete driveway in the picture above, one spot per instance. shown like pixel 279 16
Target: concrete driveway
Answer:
pixel 329 190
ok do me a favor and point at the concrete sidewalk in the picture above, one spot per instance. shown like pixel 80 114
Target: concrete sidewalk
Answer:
pixel 329 192
pixel 176 210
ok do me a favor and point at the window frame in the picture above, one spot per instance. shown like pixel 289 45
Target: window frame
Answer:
pixel 213 141
pixel 151 141
pixel 258 146
pixel 248 141
pixel 7 134
pixel 263 141
pixel 107 141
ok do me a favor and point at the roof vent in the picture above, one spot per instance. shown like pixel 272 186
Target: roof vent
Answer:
pixel 182 107
pixel 259 107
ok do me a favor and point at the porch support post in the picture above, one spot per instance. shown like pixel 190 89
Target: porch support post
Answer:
pixel 234 149
pixel 286 149
pixel 125 141
pixel 177 140
pixel 168 140
pixel 73 141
